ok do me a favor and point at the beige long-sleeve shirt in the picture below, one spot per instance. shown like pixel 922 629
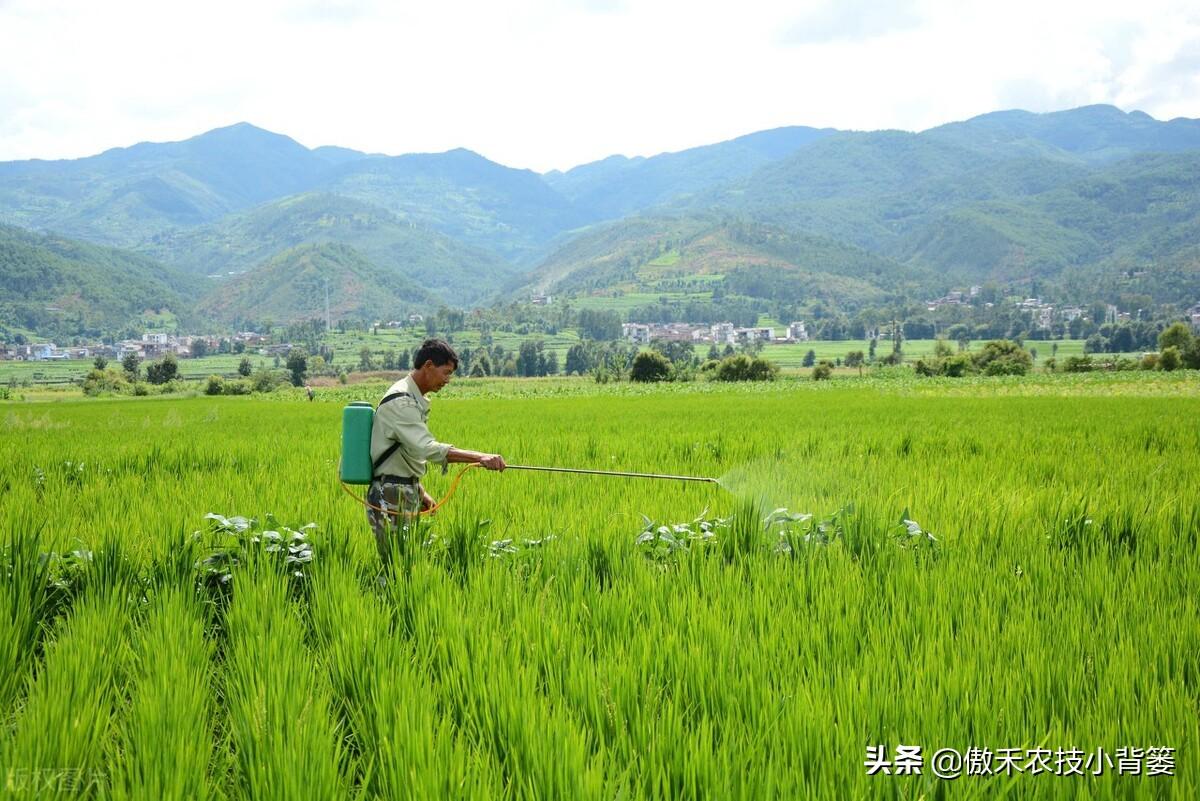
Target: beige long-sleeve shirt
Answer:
pixel 404 420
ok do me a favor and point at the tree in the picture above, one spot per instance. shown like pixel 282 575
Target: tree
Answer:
pixel 100 363
pixel 745 368
pixel 239 347
pixel 365 362
pixel 1003 357
pixel 871 349
pixel 855 359
pixel 810 358
pixel 1191 356
pixel 245 368
pixel 199 348
pixel 1177 335
pixel 527 358
pixel 162 371
pixel 822 371
pixel 578 362
pixel 678 353
pixel 599 324
pixel 1122 340
pixel 552 363
pixel 650 365
pixel 132 366
pixel 1169 358
pixel 297 365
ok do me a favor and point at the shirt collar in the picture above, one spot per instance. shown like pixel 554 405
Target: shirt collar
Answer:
pixel 415 391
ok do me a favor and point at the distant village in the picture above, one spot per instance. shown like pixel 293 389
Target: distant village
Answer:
pixel 719 334
pixel 152 345
pixel 1042 314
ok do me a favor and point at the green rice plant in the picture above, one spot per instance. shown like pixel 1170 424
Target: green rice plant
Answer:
pixel 166 736
pixel 384 696
pixel 62 733
pixel 282 734
pixel 545 656
pixel 28 603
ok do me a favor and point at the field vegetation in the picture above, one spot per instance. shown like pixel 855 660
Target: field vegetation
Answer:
pixel 1002 562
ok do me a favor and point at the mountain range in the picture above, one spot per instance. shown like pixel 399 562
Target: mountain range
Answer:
pixel 237 220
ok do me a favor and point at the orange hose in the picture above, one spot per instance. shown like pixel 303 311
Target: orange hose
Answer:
pixel 430 510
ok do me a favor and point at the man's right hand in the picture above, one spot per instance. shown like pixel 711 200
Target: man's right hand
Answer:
pixel 493 461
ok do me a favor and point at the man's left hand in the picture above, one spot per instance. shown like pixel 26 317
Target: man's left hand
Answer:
pixel 427 501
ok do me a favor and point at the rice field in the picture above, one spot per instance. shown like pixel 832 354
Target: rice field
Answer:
pixel 1004 566
pixel 347 347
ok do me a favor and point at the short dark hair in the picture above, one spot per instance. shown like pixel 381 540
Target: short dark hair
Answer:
pixel 437 351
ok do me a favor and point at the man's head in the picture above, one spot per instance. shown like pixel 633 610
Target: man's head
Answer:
pixel 433 365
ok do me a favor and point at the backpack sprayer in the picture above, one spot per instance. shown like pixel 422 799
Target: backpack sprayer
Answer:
pixel 358 468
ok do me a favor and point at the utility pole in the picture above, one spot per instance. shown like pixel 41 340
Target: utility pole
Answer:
pixel 328 322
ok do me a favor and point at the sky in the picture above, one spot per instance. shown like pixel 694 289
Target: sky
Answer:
pixel 549 84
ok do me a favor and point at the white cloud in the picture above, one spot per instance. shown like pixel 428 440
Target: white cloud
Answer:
pixel 837 20
pixel 543 84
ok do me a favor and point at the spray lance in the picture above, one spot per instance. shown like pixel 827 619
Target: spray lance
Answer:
pixel 357 468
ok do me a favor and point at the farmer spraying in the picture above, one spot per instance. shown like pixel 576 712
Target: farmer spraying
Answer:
pixel 401 446
pixel 387 448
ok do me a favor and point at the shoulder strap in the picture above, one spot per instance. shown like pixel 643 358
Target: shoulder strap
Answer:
pixel 393 397
pixel 383 457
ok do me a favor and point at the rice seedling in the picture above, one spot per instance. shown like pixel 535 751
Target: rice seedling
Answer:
pixel 282 734
pixel 1002 564
pixel 61 735
pixel 166 742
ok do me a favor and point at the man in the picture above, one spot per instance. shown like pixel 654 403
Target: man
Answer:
pixel 401 445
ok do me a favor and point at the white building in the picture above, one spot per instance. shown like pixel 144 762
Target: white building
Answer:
pixel 638 333
pixel 723 334
pixel 797 332
pixel 755 334
pixel 45 351
pixel 129 346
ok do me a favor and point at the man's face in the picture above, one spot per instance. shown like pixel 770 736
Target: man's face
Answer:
pixel 440 375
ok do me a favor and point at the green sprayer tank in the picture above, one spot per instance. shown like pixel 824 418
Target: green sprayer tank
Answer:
pixel 356 443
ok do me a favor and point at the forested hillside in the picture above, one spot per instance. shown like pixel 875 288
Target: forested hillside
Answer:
pixel 1081 204
pixel 60 286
